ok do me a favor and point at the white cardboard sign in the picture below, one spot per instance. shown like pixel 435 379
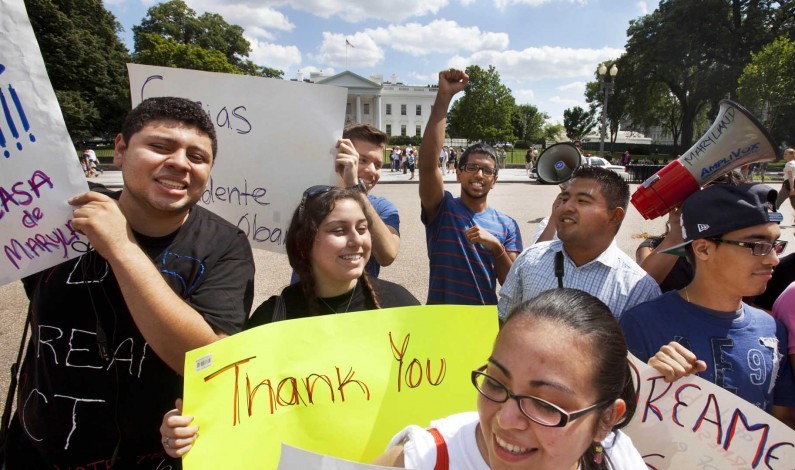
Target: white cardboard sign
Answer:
pixel 275 139
pixel 39 170
pixel 692 423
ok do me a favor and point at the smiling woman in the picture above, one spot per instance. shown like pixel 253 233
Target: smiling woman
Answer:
pixel 553 395
pixel 328 245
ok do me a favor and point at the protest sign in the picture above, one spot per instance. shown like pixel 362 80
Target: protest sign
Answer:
pixel 39 170
pixel 692 423
pixel 275 139
pixel 340 385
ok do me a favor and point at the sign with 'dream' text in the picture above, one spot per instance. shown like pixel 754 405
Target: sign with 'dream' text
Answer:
pixel 340 385
pixel 692 423
pixel 39 170
pixel 275 139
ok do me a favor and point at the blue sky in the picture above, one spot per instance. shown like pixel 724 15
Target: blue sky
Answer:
pixel 544 50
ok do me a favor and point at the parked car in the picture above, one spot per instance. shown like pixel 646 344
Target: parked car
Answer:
pixel 601 162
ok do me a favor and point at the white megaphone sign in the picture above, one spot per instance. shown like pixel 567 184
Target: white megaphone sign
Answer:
pixel 735 138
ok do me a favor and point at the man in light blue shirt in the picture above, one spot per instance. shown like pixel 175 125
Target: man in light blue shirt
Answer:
pixel 585 257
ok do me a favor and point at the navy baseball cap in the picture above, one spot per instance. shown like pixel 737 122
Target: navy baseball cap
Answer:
pixel 723 208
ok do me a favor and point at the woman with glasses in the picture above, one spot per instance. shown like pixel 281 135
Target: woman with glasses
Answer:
pixel 552 395
pixel 328 245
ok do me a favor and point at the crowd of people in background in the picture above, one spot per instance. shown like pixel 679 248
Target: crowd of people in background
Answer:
pixel 166 273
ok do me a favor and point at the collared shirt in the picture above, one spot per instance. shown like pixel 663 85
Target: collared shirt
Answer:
pixel 613 277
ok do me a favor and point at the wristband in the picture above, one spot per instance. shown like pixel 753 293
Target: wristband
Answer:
pixel 360 186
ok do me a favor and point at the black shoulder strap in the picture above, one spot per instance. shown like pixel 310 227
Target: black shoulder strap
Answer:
pixel 559 268
pixel 12 387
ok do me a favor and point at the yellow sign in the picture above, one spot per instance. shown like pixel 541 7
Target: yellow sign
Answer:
pixel 339 385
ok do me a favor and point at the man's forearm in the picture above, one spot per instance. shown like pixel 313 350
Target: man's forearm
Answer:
pixel 167 322
pixel 386 240
pixel 433 138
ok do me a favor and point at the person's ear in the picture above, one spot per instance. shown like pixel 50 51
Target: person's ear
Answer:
pixel 609 418
pixel 702 248
pixel 617 216
pixel 119 147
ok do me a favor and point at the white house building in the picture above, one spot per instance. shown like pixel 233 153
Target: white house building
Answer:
pixel 391 106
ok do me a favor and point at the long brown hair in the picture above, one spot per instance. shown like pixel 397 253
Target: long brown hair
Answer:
pixel 301 238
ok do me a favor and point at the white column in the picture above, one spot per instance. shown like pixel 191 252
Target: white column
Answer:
pixel 377 112
pixel 358 109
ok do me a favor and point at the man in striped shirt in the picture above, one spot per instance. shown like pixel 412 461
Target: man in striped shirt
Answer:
pixel 585 256
pixel 471 246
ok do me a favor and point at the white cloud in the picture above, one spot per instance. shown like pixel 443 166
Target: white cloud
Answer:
pixel 258 20
pixel 573 86
pixel 311 68
pixel 538 63
pixel 524 96
pixel 334 51
pixel 643 8
pixel 274 55
pixel 431 78
pixel 437 37
pixel 352 11
pixel 567 101
pixel 534 3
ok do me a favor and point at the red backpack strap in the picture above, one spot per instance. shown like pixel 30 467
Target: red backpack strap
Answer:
pixel 442 458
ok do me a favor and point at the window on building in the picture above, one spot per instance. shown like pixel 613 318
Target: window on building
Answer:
pixel 366 108
pixel 347 108
pixel 389 129
pixel 388 109
pixel 419 110
pixel 418 131
pixel 402 109
pixel 403 130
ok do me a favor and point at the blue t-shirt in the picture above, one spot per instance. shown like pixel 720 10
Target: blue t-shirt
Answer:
pixel 389 214
pixel 745 352
pixel 462 273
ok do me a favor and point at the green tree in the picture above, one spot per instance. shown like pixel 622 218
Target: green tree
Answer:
pixel 85 61
pixel 578 122
pixel 698 49
pixel 528 122
pixel 484 112
pixel 552 132
pixel 172 35
pixel 767 86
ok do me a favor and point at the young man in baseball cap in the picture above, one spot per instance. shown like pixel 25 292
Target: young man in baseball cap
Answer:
pixel 731 236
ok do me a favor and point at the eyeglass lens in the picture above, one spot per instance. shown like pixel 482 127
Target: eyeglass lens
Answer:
pixel 535 409
pixel 473 168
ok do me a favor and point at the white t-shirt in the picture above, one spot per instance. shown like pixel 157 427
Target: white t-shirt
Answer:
pixel 789 169
pixel 419 448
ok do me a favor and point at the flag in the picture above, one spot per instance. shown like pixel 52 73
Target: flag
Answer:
pixel 348 43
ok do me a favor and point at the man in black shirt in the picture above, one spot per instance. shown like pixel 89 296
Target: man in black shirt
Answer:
pixel 110 329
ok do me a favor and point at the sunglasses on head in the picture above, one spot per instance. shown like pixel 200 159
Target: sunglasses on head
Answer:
pixel 311 192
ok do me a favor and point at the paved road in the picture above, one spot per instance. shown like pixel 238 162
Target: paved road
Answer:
pixel 523 200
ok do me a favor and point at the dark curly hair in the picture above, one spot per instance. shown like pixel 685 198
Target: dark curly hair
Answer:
pixel 301 238
pixel 480 148
pixel 169 108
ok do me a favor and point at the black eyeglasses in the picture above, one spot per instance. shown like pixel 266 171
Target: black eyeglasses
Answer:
pixel 474 168
pixel 757 248
pixel 313 191
pixel 534 408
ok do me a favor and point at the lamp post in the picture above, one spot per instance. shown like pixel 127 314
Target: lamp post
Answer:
pixel 606 88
